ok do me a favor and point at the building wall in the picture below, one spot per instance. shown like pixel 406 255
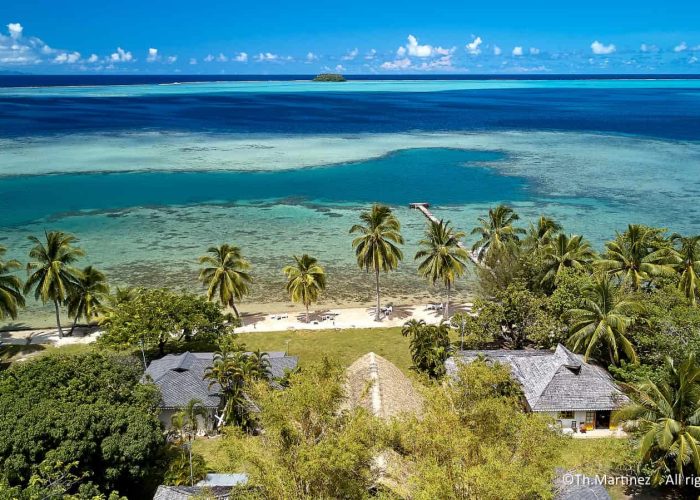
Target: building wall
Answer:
pixel 579 417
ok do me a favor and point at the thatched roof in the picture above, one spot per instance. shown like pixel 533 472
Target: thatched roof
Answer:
pixel 379 386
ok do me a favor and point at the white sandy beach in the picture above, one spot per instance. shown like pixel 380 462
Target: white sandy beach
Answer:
pixel 320 319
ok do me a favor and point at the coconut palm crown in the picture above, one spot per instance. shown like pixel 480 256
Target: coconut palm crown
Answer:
pixel 53 273
pixel 687 256
pixel 496 230
pixel 306 279
pixel 11 298
pixel 86 299
pixel 604 319
pixel 225 273
pixel 377 244
pixel 442 258
pixel 637 255
pixel 562 252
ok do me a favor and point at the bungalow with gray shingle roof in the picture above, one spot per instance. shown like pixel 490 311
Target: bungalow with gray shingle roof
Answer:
pixel 559 383
pixel 180 378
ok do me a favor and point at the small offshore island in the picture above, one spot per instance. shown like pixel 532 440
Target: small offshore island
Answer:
pixel 329 77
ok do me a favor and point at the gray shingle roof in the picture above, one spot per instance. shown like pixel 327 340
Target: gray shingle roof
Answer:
pixel 180 377
pixel 578 487
pixel 187 492
pixel 553 381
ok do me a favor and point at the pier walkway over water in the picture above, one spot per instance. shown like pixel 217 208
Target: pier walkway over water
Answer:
pixel 424 208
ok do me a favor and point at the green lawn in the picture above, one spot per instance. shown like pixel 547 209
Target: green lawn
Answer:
pixel 345 345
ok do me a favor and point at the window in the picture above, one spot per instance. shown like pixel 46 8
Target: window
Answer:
pixel 566 414
pixel 590 417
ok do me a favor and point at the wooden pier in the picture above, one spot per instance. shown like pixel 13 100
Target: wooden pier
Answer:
pixel 424 208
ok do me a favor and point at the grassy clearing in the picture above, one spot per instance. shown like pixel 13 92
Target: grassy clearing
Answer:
pixel 596 456
pixel 345 345
pixel 216 454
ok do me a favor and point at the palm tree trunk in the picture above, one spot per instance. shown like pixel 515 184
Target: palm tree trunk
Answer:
pixel 70 334
pixel 376 277
pixel 446 312
pixel 58 320
pixel 307 313
pixel 235 309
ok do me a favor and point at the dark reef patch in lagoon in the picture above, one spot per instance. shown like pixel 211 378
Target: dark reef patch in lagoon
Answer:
pixel 436 175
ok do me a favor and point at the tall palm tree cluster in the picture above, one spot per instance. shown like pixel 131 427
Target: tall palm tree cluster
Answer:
pixel 633 261
pixel 53 278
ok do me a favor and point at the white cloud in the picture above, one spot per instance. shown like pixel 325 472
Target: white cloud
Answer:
pixel 398 64
pixel 171 59
pixel 209 58
pixel 473 46
pixel 121 55
pixel 15 30
pixel 648 48
pixel 534 51
pixel 417 50
pixel 401 51
pixel 351 55
pixel 93 58
pixel 221 57
pixel 680 47
pixel 241 57
pixel 311 56
pixel 444 62
pixel 267 56
pixel 693 60
pixel 497 50
pixel 152 55
pixel 602 49
pixel 67 57
pixel 193 61
pixel 339 68
pixel 370 55
pixel 517 51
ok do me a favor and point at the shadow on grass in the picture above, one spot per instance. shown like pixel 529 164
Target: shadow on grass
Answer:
pixel 13 352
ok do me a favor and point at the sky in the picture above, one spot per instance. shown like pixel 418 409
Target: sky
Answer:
pixel 360 37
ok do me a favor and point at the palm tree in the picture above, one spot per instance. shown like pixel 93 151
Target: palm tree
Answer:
pixel 231 370
pixel 668 416
pixel 687 253
pixel 53 274
pixel 444 259
pixel 376 247
pixel 429 345
pixel 186 424
pixel 637 255
pixel 603 318
pixel 225 274
pixel 565 251
pixel 306 279
pixel 540 235
pixel 85 299
pixel 11 297
pixel 496 230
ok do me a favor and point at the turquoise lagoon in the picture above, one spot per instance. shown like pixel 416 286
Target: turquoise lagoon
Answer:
pixel 149 190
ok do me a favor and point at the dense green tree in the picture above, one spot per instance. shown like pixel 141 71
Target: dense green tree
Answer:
pixel 473 441
pixel 515 317
pixel 429 344
pixel 442 258
pixel 87 296
pixel 603 319
pixel 225 273
pixel 311 447
pixel 638 255
pixel 687 257
pixel 53 272
pixel 11 297
pixel 667 416
pixel 496 230
pixel 155 317
pixel 306 279
pixel 89 410
pixel 565 251
pixel 377 244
